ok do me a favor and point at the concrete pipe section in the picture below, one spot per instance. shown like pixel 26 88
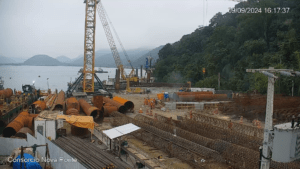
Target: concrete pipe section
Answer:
pixel 59 104
pixel 88 109
pixel 7 93
pixel 72 103
pixel 121 107
pixel 24 119
pixel 128 104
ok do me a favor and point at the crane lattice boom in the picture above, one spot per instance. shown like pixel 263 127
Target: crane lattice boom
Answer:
pixel 89 46
pixel 110 40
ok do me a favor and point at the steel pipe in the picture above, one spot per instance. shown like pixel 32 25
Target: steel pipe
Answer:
pixel 72 103
pixel 22 120
pixel 39 106
pixel 109 109
pixel 121 108
pixel 128 104
pixel 72 111
pixel 201 97
pixel 98 101
pixel 59 104
pixel 88 109
pixel 7 93
pixel 193 93
pixel 22 133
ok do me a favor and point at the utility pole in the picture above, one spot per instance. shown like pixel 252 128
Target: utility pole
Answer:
pixel 266 152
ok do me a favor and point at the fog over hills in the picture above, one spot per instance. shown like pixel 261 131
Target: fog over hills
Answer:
pixel 6 60
pixel 64 59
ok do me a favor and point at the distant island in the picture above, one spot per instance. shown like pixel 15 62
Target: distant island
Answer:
pixel 42 60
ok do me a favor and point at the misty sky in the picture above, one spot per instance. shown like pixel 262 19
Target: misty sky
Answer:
pixel 56 27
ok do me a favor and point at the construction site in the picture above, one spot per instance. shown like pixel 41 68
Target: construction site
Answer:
pixel 135 122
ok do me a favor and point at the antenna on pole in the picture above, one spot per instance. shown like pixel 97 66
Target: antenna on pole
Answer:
pixel 267 145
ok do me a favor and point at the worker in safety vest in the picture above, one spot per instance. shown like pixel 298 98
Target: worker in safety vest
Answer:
pixel 152 105
pixel 191 114
pixel 145 101
pixel 258 124
pixel 140 111
pixel 147 112
pixel 154 101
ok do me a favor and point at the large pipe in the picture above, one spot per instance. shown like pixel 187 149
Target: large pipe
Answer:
pixel 88 109
pixel 109 109
pixel 39 106
pixel 98 101
pixel 72 111
pixel 72 103
pixel 121 108
pixel 194 93
pixel 59 104
pixel 201 97
pixel 50 103
pixel 22 120
pixel 128 104
pixel 22 133
pixel 7 93
pixel 48 97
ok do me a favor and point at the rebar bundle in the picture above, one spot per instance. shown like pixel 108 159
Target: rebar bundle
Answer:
pixel 88 154
pixel 187 145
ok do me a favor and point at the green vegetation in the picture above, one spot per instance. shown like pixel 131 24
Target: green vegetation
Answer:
pixel 233 43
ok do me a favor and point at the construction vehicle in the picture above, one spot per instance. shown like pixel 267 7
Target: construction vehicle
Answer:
pixel 133 91
pixel 103 15
pixel 88 82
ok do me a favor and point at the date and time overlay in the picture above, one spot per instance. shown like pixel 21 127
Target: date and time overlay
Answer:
pixel 260 10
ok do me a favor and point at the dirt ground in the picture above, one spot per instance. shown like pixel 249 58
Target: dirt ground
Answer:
pixel 147 151
pixel 138 100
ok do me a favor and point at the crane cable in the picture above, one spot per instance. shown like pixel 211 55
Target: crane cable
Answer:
pixel 123 49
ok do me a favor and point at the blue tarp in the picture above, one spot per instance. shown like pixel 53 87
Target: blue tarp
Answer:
pixel 30 162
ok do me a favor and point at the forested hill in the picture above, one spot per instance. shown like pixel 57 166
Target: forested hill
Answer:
pixel 233 43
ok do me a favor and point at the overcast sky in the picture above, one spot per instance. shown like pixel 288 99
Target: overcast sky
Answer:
pixel 56 27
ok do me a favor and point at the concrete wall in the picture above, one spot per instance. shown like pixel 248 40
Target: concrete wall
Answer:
pixel 63 159
pixel 8 144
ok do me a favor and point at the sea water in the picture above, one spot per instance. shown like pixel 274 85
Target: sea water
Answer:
pixel 56 76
